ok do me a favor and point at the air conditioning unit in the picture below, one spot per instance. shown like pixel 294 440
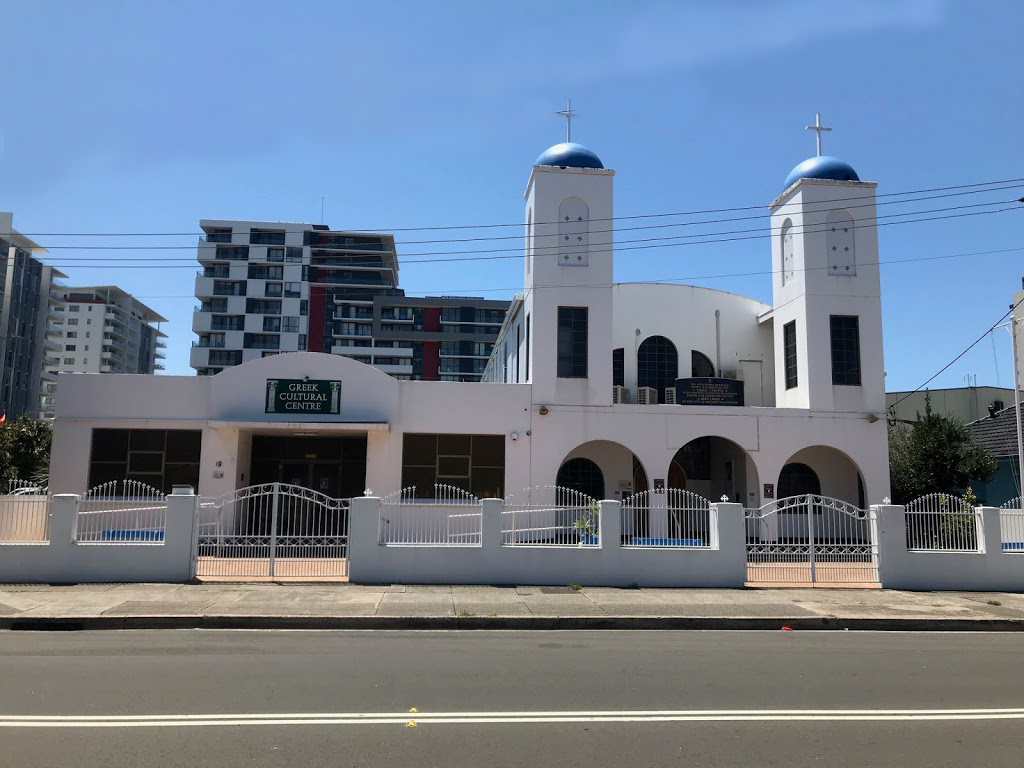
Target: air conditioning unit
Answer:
pixel 646 396
pixel 727 374
pixel 670 395
pixel 620 395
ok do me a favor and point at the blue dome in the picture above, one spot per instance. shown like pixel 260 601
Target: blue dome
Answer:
pixel 569 155
pixel 822 167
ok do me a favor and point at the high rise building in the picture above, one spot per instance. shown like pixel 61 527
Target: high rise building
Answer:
pixel 271 287
pixel 28 307
pixel 103 329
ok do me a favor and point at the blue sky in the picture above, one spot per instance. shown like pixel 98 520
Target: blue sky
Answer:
pixel 147 116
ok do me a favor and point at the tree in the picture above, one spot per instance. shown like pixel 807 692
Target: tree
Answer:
pixel 24 451
pixel 935 454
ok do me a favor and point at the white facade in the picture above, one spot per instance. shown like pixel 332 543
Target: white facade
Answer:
pixel 570 361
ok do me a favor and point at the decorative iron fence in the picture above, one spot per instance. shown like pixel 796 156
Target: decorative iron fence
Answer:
pixel 670 518
pixel 549 515
pixel 1011 525
pixel 25 515
pixel 121 512
pixel 942 522
pixel 452 517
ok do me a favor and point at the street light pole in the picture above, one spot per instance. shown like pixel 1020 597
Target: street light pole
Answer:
pixel 1016 407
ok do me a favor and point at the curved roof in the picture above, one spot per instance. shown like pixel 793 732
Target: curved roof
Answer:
pixel 822 167
pixel 569 155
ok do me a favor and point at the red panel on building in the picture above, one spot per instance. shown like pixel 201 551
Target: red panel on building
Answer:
pixel 431 318
pixel 317 308
pixel 431 349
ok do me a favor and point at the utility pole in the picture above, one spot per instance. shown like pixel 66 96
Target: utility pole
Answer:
pixel 1014 322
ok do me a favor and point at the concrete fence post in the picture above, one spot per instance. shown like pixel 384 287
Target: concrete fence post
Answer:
pixel 731 540
pixel 990 532
pixel 891 524
pixel 490 522
pixel 363 533
pixel 609 524
pixel 180 528
pixel 63 512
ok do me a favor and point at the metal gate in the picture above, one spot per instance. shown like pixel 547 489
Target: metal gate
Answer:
pixel 273 531
pixel 808 540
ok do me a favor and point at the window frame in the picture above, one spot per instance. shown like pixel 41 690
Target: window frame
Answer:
pixel 573 340
pixel 846 362
pixel 789 350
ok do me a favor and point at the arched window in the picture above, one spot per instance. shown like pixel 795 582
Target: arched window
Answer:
pixel 796 480
pixel 839 247
pixel 657 365
pixel 582 475
pixel 573 232
pixel 701 365
pixel 787 252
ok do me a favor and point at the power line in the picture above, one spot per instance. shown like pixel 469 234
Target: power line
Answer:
pixel 948 365
pixel 809 209
pixel 460 256
pixel 676 280
pixel 700 212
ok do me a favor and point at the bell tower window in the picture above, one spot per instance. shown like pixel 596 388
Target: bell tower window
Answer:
pixel 839 246
pixel 573 233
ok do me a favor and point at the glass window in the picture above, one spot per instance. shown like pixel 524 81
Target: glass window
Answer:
pixel 474 463
pixel 275 254
pixel 69 361
pixel 292 290
pixel 701 365
pixel 789 351
pixel 271 324
pixel 845 333
pixel 657 365
pixel 581 475
pixel 302 342
pixel 619 367
pixel 290 324
pixel 273 289
pixel 69 347
pixel 160 458
pixel 572 342
pixel 294 255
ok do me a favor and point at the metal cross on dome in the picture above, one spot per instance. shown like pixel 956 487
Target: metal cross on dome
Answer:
pixel 818 128
pixel 568 114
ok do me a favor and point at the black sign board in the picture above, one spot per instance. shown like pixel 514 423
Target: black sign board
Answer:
pixel 298 396
pixel 709 391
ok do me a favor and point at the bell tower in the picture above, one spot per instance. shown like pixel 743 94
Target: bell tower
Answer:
pixel 568 275
pixel 827 321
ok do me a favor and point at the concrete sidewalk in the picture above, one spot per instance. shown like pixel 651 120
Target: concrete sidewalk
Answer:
pixel 347 606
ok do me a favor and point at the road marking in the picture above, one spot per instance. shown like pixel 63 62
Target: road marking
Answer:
pixel 454 718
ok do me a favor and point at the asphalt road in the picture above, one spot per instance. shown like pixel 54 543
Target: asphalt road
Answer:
pixel 206 698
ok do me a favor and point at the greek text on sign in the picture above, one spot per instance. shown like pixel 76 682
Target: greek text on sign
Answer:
pixel 709 391
pixel 316 396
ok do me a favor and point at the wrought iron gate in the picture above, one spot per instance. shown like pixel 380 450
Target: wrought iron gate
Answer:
pixel 272 531
pixel 810 540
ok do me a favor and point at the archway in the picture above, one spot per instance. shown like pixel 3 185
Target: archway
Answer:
pixel 714 467
pixel 825 471
pixel 581 475
pixel 797 479
pixel 657 365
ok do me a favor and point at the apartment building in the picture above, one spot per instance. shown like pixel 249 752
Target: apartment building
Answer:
pixel 28 308
pixel 103 329
pixel 272 287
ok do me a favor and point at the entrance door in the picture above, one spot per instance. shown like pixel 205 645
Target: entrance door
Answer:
pixel 321 477
pixel 750 372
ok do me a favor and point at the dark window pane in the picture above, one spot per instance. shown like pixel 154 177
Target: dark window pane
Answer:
pixel 657 365
pixel 181 474
pixel 701 365
pixel 453 445
pixel 797 479
pixel 488 451
pixel 789 350
pixel 147 440
pixel 100 473
pixel 422 478
pixel 488 483
pixel 109 444
pixel 183 444
pixel 845 334
pixel 582 475
pixel 619 367
pixel 419 450
pixel 145 462
pixel 452 466
pixel 572 342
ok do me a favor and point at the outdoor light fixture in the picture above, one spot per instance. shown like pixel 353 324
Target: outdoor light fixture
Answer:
pixel 543 410
pixel 872 418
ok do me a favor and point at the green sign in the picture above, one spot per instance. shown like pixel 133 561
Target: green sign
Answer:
pixel 303 396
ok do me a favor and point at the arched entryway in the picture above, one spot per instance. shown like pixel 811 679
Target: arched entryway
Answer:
pixel 714 467
pixel 582 475
pixel 825 471
pixel 797 479
pixel 657 365
pixel 602 469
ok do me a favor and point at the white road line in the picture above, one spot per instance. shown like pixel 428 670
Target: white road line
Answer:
pixel 452 718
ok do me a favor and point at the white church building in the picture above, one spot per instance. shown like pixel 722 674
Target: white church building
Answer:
pixel 607 389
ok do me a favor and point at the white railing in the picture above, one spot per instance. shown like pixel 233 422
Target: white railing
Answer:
pixel 548 515
pixel 452 517
pixel 670 518
pixel 121 512
pixel 25 517
pixel 26 487
pixel 942 522
pixel 1011 525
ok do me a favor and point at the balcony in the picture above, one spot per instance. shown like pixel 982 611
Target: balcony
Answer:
pixel 209 343
pixel 224 288
pixel 231 323
pixel 218 237
pixel 217 272
pixel 215 305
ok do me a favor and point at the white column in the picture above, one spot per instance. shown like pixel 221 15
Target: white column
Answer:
pixel 609 524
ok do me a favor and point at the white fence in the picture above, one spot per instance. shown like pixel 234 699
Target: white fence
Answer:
pixel 450 517
pixel 121 511
pixel 25 517
pixel 671 518
pixel 1011 525
pixel 548 515
pixel 942 522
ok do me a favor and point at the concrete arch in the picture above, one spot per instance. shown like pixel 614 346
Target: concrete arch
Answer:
pixel 715 466
pixel 838 474
pixel 619 465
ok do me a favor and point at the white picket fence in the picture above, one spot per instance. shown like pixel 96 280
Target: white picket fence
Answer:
pixel 549 515
pixel 942 522
pixel 1011 525
pixel 673 517
pixel 449 517
pixel 121 511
